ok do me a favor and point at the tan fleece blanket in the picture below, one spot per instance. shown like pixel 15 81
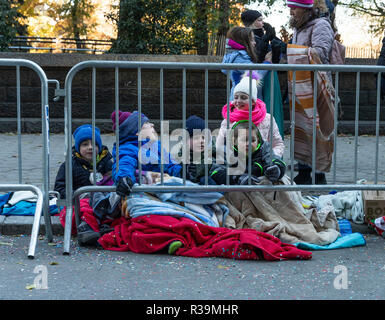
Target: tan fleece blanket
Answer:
pixel 281 214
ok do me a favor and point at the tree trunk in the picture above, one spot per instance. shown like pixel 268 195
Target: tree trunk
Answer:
pixel 201 28
pixel 224 14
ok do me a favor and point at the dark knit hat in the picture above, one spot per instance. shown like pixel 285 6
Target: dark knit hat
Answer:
pixel 194 122
pixel 84 132
pixel 122 116
pixel 249 16
pixel 129 127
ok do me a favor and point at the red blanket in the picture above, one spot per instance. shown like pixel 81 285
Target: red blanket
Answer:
pixel 152 233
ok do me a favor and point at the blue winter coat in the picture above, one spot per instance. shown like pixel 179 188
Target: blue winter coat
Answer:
pixel 237 57
pixel 151 155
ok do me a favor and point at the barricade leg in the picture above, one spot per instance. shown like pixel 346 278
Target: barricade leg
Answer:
pixel 37 215
pixel 67 230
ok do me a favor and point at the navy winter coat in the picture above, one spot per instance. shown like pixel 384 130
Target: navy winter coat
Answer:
pixel 81 170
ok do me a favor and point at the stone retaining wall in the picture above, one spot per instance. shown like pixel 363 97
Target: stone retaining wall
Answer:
pixel 56 66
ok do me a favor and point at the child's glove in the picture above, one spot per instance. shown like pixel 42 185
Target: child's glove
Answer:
pixel 191 171
pixel 124 186
pixel 273 173
pixel 244 180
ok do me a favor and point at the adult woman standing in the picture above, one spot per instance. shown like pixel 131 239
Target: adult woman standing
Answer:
pixel 311 44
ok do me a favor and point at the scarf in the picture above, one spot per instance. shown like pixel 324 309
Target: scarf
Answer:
pixel 235 45
pixel 257 115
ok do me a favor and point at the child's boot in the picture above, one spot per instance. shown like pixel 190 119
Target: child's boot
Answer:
pixel 86 235
pixel 174 246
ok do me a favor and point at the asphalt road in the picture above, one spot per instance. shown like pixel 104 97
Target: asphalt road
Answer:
pixel 89 274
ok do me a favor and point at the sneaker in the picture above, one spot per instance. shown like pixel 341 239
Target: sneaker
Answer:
pixel 174 246
pixel 86 235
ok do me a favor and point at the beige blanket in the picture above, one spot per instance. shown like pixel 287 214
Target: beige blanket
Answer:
pixel 282 215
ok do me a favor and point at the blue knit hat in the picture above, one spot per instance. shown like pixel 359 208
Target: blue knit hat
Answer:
pixel 84 132
pixel 194 122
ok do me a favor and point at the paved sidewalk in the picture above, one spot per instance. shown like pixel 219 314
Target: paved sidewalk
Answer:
pixel 32 168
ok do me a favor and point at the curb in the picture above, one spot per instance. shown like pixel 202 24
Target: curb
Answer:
pixel 16 225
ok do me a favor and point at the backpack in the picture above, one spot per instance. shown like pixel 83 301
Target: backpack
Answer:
pixel 337 54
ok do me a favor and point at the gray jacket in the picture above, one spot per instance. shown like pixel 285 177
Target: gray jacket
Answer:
pixel 317 34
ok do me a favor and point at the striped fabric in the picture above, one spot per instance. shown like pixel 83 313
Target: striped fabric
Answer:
pixel 303 131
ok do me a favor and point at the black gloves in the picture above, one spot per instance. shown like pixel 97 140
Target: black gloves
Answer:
pixel 269 32
pixel 124 186
pixel 191 172
pixel 278 48
pixel 244 180
pixel 273 173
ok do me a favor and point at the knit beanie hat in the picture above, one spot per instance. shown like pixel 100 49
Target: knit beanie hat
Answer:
pixel 84 132
pixel 244 86
pixel 122 116
pixel 306 4
pixel 249 16
pixel 129 127
pixel 194 122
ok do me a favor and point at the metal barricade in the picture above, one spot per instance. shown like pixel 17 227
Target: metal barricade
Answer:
pixel 38 210
pixel 73 202
pixel 42 196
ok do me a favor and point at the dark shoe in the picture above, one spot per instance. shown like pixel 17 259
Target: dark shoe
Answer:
pixel 320 178
pixel 105 228
pixel 303 177
pixel 86 235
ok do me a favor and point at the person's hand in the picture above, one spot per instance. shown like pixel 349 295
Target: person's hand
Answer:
pixel 124 186
pixel 269 57
pixel 191 170
pixel 278 48
pixel 244 180
pixel 272 173
pixel 269 32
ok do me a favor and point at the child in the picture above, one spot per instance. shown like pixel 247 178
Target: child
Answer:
pixel 129 137
pixel 195 166
pixel 240 48
pixel 262 164
pixel 82 162
pixel 239 110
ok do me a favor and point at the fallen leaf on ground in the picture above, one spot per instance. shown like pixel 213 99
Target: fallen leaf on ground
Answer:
pixel 6 243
